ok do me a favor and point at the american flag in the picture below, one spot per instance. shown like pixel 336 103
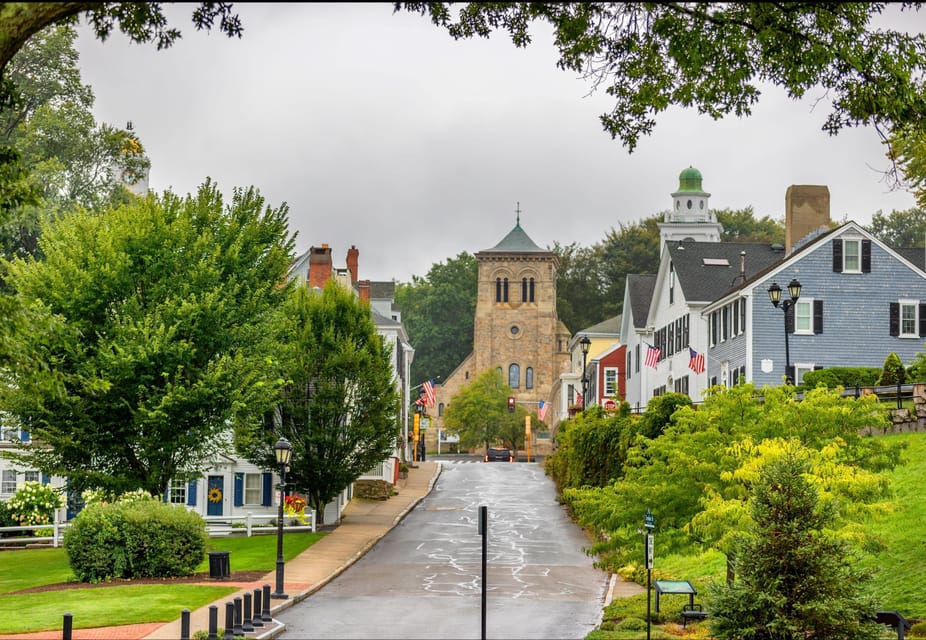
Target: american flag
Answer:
pixel 542 410
pixel 429 396
pixel 652 356
pixel 696 361
pixel 578 398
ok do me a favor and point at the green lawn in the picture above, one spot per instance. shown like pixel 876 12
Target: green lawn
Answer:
pixel 124 603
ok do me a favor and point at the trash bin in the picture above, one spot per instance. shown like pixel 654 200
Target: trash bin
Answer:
pixel 219 568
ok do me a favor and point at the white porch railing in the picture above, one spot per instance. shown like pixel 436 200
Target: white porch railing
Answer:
pixel 57 527
pixel 222 525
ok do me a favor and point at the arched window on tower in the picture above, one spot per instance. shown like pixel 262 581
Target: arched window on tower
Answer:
pixel 498 289
pixel 440 409
pixel 514 376
pixel 529 378
pixel 505 290
pixel 532 290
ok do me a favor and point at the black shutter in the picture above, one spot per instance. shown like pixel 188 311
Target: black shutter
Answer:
pixel 866 256
pixel 267 487
pixel 818 316
pixel 922 320
pixel 837 256
pixel 895 319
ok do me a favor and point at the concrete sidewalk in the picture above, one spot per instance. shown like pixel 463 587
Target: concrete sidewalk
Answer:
pixel 363 523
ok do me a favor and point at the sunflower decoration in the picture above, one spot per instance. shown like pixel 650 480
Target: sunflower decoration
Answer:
pixel 215 494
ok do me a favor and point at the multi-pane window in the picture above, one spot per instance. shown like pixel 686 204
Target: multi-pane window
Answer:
pixel 852 256
pixel 8 482
pixel 803 316
pixel 177 492
pixel 31 476
pixel 610 382
pixel 908 319
pixel 253 488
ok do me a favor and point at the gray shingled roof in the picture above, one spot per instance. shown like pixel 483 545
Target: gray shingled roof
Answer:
pixel 641 288
pixel 610 326
pixel 702 281
pixel 516 242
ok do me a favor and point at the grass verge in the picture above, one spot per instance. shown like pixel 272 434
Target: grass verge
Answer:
pixel 121 603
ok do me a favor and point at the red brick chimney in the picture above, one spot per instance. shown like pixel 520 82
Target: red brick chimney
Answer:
pixel 363 290
pixel 353 254
pixel 319 266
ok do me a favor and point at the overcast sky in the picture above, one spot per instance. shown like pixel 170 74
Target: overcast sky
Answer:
pixel 381 131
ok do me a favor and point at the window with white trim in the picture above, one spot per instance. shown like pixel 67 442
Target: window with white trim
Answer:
pixel 610 382
pixel 8 481
pixel 253 488
pixel 852 255
pixel 909 322
pixel 800 368
pixel 803 316
pixel 31 476
pixel 177 492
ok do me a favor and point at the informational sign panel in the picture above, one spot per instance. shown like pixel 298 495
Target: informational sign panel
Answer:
pixel 425 423
pixel 649 550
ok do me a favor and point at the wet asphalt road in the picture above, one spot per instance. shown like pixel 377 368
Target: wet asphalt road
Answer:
pixel 424 579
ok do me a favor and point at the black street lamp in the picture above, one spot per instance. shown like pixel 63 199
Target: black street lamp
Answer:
pixel 584 343
pixel 283 451
pixel 774 294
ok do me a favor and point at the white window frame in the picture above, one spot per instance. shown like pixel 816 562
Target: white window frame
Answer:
pixel 804 305
pixel 915 306
pixel 8 482
pixel 176 493
pixel 610 382
pixel 249 479
pixel 8 434
pixel 800 368
pixel 32 476
pixel 857 244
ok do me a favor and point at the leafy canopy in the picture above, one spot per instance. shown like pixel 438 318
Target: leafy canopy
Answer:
pixel 132 347
pixel 715 56
pixel 338 405
pixel 478 413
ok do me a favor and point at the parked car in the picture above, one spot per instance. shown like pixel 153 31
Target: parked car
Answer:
pixel 496 454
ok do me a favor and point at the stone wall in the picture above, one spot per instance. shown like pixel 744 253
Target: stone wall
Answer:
pixel 372 489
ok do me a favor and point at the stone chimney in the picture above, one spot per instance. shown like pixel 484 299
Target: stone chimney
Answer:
pixel 807 208
pixel 363 291
pixel 353 254
pixel 319 266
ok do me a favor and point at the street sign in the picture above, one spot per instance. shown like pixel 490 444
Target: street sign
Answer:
pixel 425 423
pixel 648 520
pixel 610 405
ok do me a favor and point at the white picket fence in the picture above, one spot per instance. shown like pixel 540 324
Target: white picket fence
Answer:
pixel 217 526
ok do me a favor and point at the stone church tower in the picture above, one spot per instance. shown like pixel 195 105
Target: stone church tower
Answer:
pixel 516 328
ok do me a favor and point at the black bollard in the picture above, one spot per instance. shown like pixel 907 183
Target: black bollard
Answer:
pixel 265 614
pixel 246 618
pixel 256 620
pixel 239 631
pixel 229 621
pixel 213 623
pixel 185 624
pixel 68 626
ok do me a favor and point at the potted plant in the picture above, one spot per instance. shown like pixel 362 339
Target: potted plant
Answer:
pixel 403 470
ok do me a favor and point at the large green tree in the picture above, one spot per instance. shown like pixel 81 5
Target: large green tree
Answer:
pixel 714 56
pixel 438 311
pixel 796 580
pixel 479 413
pixel 72 160
pixel 900 229
pixel 338 406
pixel 133 346
pixel 581 300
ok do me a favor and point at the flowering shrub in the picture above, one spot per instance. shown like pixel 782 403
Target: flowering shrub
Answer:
pixel 294 507
pixel 34 503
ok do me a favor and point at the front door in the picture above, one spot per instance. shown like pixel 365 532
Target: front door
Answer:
pixel 215 495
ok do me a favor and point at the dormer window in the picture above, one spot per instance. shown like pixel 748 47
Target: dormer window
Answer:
pixel 851 255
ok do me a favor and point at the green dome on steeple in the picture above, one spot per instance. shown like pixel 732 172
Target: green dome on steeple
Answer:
pixel 690 180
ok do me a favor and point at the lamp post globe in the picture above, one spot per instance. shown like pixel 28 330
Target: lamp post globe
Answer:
pixel 283 451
